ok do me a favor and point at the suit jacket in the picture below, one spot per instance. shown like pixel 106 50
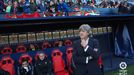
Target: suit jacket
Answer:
pixel 22 71
pixel 79 58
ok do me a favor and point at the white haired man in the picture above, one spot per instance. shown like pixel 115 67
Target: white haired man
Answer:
pixel 86 53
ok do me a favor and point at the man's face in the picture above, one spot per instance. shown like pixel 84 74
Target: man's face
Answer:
pixel 32 46
pixel 55 1
pixel 41 56
pixel 25 64
pixel 9 3
pixel 61 1
pixel 83 34
pixel 51 3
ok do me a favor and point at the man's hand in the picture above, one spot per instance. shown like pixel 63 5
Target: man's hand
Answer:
pixel 90 58
pixel 95 49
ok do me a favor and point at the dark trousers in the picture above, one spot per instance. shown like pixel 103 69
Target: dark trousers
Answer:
pixel 81 70
pixel 87 70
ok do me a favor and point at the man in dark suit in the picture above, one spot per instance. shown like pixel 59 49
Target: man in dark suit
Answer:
pixel 86 53
pixel 43 65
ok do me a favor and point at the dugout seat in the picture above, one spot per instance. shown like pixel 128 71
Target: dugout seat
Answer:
pixel 25 57
pixel 45 45
pixel 68 43
pixel 7 64
pixel 69 52
pixel 6 50
pixel 21 48
pixel 58 63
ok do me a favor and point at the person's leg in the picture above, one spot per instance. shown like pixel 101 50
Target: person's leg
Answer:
pixel 80 70
pixel 93 69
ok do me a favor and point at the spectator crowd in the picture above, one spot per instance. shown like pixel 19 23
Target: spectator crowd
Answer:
pixel 56 6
